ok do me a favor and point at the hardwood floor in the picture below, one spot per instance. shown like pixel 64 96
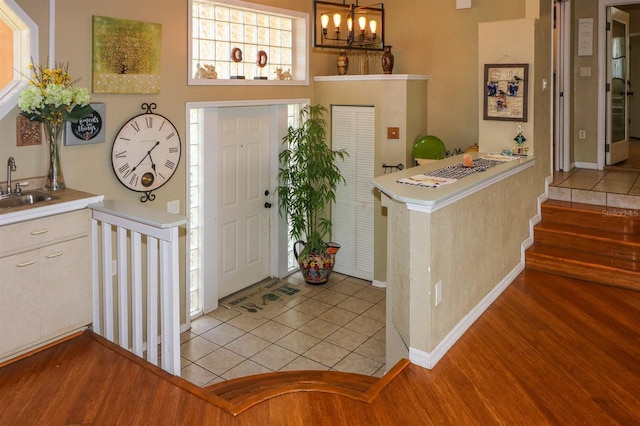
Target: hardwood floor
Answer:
pixel 551 350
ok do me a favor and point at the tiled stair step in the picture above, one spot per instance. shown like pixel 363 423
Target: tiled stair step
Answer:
pixel 584 265
pixel 591 216
pixel 597 241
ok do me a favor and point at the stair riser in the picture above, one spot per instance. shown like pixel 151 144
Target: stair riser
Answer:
pixel 608 219
pixel 583 242
pixel 594 273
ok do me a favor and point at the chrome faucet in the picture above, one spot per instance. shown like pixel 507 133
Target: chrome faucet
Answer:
pixel 11 167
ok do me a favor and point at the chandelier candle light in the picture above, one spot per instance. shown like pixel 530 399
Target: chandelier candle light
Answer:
pixel 369 20
pixel 52 100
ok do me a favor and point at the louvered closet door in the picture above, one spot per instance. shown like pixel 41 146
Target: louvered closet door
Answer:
pixel 353 128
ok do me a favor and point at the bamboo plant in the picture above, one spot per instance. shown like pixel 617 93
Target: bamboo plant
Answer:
pixel 308 177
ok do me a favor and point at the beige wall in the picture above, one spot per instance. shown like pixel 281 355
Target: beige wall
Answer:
pixel 432 37
pixel 429 37
pixel 507 42
pixel 584 90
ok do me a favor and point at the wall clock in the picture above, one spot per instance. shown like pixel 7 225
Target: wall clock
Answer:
pixel 146 152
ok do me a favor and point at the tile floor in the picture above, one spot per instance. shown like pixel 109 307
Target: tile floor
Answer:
pixel 337 326
pixel 612 188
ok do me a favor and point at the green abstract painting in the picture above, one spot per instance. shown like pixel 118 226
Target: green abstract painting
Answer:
pixel 126 56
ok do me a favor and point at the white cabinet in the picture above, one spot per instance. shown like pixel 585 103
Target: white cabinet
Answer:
pixel 353 129
pixel 45 280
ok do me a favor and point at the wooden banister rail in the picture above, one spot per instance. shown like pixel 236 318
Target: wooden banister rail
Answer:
pixel 122 308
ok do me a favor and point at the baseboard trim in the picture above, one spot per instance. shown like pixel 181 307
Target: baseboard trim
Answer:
pixel 430 359
pixel 582 165
pixel 381 284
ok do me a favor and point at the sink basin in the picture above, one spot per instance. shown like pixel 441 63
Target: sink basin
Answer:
pixel 24 199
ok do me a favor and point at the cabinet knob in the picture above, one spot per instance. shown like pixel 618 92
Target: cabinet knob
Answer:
pixel 23 264
pixel 39 231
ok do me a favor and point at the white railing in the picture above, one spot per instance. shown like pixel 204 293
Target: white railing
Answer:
pixel 119 310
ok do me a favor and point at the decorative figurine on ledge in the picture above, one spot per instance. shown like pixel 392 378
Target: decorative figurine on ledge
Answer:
pixel 520 140
pixel 283 75
pixel 261 62
pixel 207 71
pixel 467 160
pixel 236 57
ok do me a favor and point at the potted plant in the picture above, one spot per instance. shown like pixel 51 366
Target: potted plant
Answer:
pixel 308 177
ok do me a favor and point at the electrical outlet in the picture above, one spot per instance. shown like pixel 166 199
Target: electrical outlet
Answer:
pixel 438 292
pixel 582 134
pixel 114 267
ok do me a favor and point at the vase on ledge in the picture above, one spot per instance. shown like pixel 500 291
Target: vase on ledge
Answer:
pixel 53 132
pixel 387 60
pixel 342 62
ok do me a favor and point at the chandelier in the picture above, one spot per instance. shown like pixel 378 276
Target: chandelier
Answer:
pixel 348 26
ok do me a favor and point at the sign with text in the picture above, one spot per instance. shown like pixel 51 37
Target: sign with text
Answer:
pixel 88 130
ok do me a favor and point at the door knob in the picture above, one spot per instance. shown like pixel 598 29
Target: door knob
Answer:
pixel 266 192
pixel 267 205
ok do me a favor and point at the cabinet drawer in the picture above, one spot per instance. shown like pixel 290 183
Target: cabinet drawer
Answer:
pixel 27 235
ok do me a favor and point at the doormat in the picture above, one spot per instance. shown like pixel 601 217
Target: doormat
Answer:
pixel 261 298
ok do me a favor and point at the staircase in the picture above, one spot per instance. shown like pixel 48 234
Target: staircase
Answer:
pixel 594 243
pixel 239 394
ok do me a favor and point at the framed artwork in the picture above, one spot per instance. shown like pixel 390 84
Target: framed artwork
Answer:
pixel 126 56
pixel 87 130
pixel 505 92
pixel 28 132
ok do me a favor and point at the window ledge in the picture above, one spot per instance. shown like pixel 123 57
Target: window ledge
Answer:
pixel 229 82
pixel 371 77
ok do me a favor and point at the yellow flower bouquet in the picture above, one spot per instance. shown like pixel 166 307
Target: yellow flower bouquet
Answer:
pixel 52 99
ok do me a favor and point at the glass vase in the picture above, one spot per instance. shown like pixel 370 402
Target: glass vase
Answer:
pixel 53 132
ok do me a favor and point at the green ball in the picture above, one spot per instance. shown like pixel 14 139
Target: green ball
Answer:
pixel 429 147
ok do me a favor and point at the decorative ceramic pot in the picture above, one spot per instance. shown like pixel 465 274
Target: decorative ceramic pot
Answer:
pixel 315 267
pixel 53 134
pixel 387 60
pixel 342 62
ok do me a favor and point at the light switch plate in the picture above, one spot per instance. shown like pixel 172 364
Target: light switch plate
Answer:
pixel 173 207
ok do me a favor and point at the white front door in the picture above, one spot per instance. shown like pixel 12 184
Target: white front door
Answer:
pixel 243 165
pixel 617 139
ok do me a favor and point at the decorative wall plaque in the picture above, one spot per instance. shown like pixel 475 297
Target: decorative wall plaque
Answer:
pixel 28 132
pixel 89 129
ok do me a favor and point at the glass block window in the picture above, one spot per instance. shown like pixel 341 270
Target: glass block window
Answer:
pixel 194 244
pixel 243 41
pixel 293 120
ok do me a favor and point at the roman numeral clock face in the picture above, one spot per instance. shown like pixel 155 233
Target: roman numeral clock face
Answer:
pixel 146 153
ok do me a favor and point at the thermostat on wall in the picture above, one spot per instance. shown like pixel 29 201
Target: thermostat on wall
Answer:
pixel 89 129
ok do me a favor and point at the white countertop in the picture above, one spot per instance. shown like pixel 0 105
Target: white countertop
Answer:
pixel 65 200
pixel 430 199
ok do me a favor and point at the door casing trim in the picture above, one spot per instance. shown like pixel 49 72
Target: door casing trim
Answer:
pixel 278 237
